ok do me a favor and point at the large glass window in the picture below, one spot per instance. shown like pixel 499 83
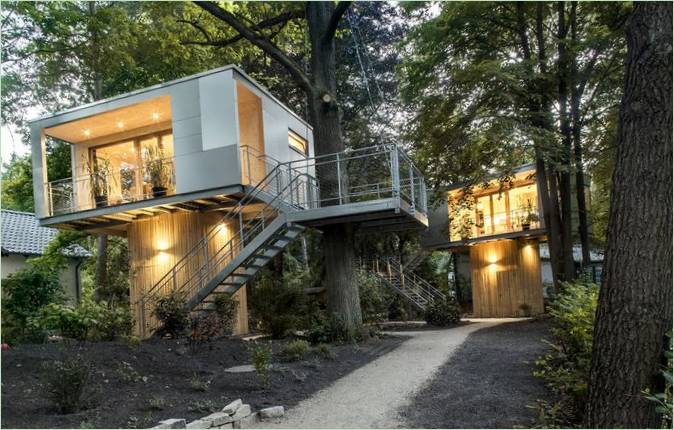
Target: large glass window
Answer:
pixel 132 169
pixel 298 143
pixel 494 211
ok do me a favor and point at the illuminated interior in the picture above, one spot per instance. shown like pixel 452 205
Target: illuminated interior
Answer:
pixel 120 156
pixel 494 209
pixel 298 143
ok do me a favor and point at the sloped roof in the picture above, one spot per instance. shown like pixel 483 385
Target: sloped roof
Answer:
pixel 22 234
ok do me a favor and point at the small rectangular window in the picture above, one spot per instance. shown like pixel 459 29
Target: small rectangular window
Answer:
pixel 298 143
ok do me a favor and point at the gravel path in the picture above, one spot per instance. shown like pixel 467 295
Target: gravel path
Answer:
pixel 487 383
pixel 373 395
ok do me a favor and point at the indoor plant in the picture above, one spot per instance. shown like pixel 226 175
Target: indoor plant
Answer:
pixel 158 168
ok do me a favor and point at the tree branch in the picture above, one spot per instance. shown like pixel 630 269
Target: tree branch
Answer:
pixel 337 14
pixel 260 41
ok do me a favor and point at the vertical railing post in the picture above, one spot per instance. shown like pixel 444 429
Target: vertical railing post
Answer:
pixel 241 228
pixel 414 206
pixel 339 180
pixel 395 174
pixel 175 280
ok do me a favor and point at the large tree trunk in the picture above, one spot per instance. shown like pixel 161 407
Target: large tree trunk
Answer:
pixel 635 300
pixel 340 280
pixel 565 129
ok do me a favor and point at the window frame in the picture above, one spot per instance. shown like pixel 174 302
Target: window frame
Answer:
pixel 299 137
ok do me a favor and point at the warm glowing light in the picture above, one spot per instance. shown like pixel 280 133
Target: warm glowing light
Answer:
pixel 87 132
pixel 163 257
pixel 162 245
pixel 155 116
pixel 120 124
pixel 492 267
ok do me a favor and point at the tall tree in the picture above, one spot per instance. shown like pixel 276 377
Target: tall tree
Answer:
pixel 491 85
pixel 635 300
pixel 320 88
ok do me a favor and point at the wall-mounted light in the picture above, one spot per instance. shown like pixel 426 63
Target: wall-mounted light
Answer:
pixel 120 124
pixel 162 245
pixel 155 116
pixel 86 132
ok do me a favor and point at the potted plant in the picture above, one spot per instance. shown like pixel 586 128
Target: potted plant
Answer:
pixel 466 228
pixel 99 172
pixel 158 169
pixel 531 216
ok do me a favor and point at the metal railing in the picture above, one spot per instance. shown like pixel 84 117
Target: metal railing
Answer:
pixel 100 189
pixel 405 282
pixel 516 220
pixel 348 177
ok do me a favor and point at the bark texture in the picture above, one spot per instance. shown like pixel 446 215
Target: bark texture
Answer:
pixel 635 300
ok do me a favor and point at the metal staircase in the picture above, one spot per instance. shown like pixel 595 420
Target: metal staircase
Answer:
pixel 370 183
pixel 391 273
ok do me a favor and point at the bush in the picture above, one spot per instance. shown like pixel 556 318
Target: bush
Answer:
pixel 205 328
pixel 325 351
pixel 295 350
pixel 277 306
pixel 443 312
pixel 66 381
pixel 566 367
pixel 86 321
pixel 170 311
pixel 375 299
pixel 327 330
pixel 663 400
pixel 260 357
pixel 25 292
pixel 226 309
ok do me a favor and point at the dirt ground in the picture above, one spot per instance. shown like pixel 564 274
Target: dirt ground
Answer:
pixel 487 383
pixel 135 387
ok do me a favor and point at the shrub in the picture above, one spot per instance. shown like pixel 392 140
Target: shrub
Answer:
pixel 663 400
pixel 198 384
pixel 295 350
pixel 566 367
pixel 260 357
pixel 325 351
pixel 205 328
pixel 66 381
pixel 443 312
pixel 375 299
pixel 25 292
pixel 225 309
pixel 170 311
pixel 327 330
pixel 86 321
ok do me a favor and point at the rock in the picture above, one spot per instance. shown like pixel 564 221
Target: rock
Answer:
pixel 241 369
pixel 199 424
pixel 218 418
pixel 246 422
pixel 172 423
pixel 231 408
pixel 242 412
pixel 272 412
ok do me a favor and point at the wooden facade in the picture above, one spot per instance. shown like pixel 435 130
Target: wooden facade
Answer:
pixel 156 245
pixel 506 278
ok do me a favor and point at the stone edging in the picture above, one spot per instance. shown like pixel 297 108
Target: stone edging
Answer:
pixel 235 415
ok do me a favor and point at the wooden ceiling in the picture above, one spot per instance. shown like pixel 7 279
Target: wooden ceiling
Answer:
pixel 147 113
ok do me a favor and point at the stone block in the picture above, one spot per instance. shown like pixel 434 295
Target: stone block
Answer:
pixel 231 408
pixel 218 418
pixel 246 422
pixel 172 423
pixel 242 412
pixel 199 424
pixel 272 412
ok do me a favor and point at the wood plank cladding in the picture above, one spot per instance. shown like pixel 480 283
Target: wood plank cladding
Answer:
pixel 251 134
pixel 156 245
pixel 505 275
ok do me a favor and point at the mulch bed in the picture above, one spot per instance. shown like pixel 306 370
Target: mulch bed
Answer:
pixel 135 387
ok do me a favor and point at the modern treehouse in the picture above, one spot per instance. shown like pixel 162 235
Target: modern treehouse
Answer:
pixel 494 229
pixel 209 177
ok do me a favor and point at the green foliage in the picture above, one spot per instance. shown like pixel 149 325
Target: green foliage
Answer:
pixel 199 384
pixel 443 312
pixel 327 330
pixel 170 311
pixel 66 381
pixel 375 299
pixel 17 183
pixel 566 367
pixel 25 292
pixel 205 328
pixel 260 357
pixel 226 309
pixel 89 320
pixel 663 400
pixel 325 351
pixel 295 350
